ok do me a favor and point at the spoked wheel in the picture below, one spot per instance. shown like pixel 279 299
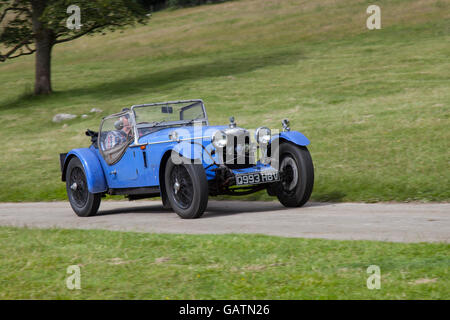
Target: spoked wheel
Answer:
pixel 186 188
pixel 182 187
pixel 297 175
pixel 78 187
pixel 83 202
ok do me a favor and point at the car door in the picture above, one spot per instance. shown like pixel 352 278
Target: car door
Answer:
pixel 123 166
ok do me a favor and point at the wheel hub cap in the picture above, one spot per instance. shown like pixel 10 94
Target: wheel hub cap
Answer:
pixel 78 188
pixel 289 168
pixel 176 187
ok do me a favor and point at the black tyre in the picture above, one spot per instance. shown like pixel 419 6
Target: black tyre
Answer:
pixel 186 188
pixel 83 202
pixel 165 202
pixel 297 175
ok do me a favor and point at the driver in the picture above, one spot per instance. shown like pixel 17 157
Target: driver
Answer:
pixel 121 135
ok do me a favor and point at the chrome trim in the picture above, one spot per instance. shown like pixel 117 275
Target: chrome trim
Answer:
pixel 174 136
pixel 167 141
pixel 137 145
pixel 286 125
pixel 232 123
pixel 257 134
pixel 223 135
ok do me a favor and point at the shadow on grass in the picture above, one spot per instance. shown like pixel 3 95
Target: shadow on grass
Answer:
pixel 24 99
pixel 170 78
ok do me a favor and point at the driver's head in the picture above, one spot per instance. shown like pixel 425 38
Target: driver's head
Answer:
pixel 126 124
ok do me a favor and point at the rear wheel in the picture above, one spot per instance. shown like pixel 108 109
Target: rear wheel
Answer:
pixel 186 188
pixel 83 202
pixel 297 175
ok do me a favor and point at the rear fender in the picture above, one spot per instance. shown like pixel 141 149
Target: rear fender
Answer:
pixel 94 173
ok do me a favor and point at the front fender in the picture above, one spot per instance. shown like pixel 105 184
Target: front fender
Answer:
pixel 293 136
pixel 94 173
pixel 189 150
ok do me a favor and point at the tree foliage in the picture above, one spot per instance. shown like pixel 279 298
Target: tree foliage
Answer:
pixel 156 5
pixel 29 26
pixel 19 31
pixel 190 3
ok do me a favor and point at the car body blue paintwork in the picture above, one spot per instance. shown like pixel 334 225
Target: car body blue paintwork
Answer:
pixel 89 158
pixel 131 172
pixel 295 137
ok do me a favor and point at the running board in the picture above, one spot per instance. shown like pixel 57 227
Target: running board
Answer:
pixel 150 191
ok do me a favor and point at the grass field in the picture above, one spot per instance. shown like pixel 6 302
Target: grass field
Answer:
pixel 375 104
pixel 125 265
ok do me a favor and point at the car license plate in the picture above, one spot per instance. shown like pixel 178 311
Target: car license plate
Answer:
pixel 257 177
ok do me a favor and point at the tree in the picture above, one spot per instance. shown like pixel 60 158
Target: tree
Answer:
pixel 35 26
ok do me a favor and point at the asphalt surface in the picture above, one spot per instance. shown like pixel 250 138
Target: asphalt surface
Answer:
pixel 409 222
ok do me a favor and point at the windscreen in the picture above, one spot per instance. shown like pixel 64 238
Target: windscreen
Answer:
pixel 169 113
pixel 116 133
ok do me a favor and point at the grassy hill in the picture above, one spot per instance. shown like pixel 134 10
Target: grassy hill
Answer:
pixel 375 104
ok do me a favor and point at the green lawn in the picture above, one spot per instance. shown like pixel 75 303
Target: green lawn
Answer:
pixel 375 104
pixel 126 265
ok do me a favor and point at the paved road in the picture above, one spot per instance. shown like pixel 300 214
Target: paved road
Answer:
pixel 386 222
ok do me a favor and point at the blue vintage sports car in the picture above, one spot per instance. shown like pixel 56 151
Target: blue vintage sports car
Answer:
pixel 169 150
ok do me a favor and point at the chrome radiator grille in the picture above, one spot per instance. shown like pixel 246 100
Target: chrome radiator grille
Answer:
pixel 238 152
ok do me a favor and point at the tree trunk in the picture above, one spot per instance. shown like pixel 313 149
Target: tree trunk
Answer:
pixel 42 83
pixel 44 40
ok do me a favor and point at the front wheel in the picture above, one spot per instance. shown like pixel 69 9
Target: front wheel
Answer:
pixel 186 188
pixel 297 175
pixel 83 202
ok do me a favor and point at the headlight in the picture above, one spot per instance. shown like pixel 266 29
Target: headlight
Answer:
pixel 173 136
pixel 263 135
pixel 219 139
